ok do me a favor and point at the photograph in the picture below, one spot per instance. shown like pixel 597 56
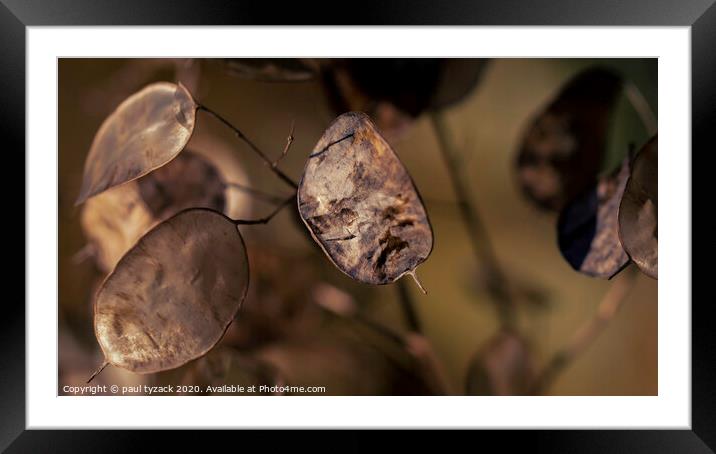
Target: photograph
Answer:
pixel 357 226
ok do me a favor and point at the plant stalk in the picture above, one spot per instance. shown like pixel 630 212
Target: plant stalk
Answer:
pixel 497 284
pixel 589 332
pixel 271 165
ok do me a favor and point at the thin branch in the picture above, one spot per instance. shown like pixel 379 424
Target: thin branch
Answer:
pixel 589 332
pixel 265 219
pixel 641 106
pixel 251 145
pixel 256 193
pixel 100 369
pixel 289 141
pixel 481 244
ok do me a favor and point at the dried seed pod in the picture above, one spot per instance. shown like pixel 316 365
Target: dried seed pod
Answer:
pixel 504 367
pixel 145 132
pixel 114 220
pixel 173 295
pixel 588 230
pixel 638 214
pixel 395 91
pixel 564 147
pixel 361 206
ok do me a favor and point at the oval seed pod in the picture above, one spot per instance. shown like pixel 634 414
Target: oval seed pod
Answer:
pixel 114 220
pixel 360 204
pixel 588 228
pixel 563 149
pixel 504 367
pixel 173 295
pixel 149 129
pixel 638 212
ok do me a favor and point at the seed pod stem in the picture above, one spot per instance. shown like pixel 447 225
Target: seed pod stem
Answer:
pixel 266 219
pixel 482 246
pixel 255 192
pixel 589 332
pixel 271 165
pixel 100 369
pixel 641 106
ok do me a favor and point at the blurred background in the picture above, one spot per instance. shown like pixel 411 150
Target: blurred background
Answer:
pixel 304 322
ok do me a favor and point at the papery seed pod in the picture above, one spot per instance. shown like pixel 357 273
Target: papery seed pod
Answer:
pixel 588 227
pixel 503 367
pixel 146 131
pixel 638 212
pixel 114 220
pixel 395 91
pixel 361 206
pixel 173 295
pixel 563 149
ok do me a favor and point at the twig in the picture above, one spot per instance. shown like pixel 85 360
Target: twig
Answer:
pixel 251 145
pixel 100 369
pixel 265 219
pixel 642 108
pixel 589 332
pixel 481 244
pixel 256 193
pixel 289 141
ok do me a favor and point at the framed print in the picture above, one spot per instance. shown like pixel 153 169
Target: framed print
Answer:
pixel 443 218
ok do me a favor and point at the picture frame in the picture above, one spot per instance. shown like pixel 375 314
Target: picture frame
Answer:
pixel 15 16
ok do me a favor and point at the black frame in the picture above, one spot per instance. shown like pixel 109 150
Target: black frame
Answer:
pixel 15 15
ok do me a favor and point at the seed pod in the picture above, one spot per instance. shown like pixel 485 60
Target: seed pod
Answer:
pixel 638 212
pixel 504 367
pixel 361 206
pixel 149 129
pixel 173 295
pixel 114 220
pixel 564 147
pixel 588 230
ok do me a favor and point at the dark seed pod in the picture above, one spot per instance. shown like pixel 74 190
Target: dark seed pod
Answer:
pixel 638 212
pixel 563 149
pixel 588 230
pixel 361 206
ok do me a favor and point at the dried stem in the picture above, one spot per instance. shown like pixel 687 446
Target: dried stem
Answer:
pixel 481 244
pixel 256 193
pixel 265 219
pixel 289 141
pixel 642 108
pixel 100 369
pixel 271 165
pixel 589 332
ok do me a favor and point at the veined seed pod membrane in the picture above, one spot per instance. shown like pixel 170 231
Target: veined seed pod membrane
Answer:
pixel 149 129
pixel 638 212
pixel 360 204
pixel 588 227
pixel 173 295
